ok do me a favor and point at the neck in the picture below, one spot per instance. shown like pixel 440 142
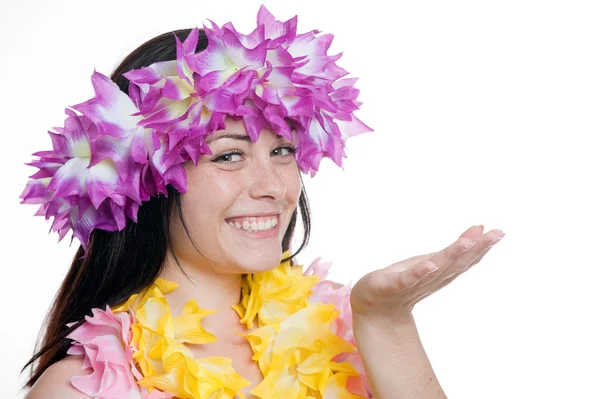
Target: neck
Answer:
pixel 211 289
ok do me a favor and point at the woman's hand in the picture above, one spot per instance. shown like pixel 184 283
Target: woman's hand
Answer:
pixel 391 293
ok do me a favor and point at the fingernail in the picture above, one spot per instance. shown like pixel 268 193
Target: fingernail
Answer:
pixel 468 246
pixel 499 236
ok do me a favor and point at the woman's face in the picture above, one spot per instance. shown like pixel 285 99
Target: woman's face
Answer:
pixel 246 184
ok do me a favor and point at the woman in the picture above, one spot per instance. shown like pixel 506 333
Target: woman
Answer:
pixel 182 182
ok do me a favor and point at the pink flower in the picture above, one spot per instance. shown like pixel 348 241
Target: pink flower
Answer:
pixel 104 340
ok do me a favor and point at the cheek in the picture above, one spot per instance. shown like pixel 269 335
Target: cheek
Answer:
pixel 294 185
pixel 208 197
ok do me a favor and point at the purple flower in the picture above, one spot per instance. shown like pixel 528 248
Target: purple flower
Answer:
pixel 87 181
pixel 124 149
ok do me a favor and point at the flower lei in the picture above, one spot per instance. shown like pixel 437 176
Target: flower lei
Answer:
pixel 125 148
pixel 304 343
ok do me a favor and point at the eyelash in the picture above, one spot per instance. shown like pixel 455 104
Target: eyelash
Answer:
pixel 291 148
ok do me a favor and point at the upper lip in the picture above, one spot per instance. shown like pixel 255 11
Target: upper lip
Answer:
pixel 258 214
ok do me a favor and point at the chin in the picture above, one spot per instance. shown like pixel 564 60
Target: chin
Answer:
pixel 259 260
pixel 251 254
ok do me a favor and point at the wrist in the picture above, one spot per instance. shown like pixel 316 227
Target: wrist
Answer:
pixel 380 319
pixel 384 327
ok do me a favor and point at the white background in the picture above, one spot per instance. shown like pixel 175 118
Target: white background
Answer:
pixel 484 113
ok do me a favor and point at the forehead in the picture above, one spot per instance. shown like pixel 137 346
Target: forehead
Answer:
pixel 235 129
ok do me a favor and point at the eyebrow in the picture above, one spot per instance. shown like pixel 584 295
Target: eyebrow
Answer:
pixel 235 136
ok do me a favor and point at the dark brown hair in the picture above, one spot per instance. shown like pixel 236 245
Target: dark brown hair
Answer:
pixel 120 264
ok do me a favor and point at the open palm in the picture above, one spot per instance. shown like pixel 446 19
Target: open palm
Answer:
pixel 393 291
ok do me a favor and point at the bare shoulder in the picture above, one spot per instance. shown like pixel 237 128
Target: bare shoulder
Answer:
pixel 55 382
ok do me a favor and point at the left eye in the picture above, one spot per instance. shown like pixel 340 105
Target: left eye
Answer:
pixel 291 149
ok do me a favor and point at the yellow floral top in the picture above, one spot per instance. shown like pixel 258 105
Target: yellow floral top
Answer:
pixel 303 343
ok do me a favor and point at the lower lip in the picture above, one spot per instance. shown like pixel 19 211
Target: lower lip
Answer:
pixel 274 232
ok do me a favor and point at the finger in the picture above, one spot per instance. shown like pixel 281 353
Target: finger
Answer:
pixel 482 246
pixel 469 239
pixel 445 281
pixel 470 258
pixel 410 277
pixel 465 262
pixel 478 259
pixel 473 232
pixel 447 256
pixel 436 281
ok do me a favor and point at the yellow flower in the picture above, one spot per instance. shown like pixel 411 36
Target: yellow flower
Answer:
pixel 274 295
pixel 336 388
pixel 167 364
pixel 297 360
pixel 206 378
pixel 135 301
pixel 188 325
pixel 154 334
pixel 294 344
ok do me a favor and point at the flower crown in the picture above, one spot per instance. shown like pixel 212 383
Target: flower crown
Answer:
pixel 124 149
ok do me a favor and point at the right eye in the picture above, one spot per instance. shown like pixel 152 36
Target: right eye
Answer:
pixel 226 158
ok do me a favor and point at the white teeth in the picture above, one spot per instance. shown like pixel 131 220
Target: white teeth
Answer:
pixel 252 225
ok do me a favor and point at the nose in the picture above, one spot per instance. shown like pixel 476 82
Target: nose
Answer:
pixel 266 180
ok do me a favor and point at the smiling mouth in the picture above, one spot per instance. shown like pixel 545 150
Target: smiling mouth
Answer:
pixel 254 224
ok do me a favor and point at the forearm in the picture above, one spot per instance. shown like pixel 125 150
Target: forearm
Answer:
pixel 395 361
